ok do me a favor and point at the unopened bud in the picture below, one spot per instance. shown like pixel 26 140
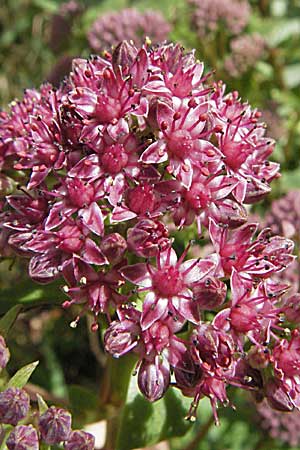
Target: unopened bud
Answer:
pixel 113 246
pixel 80 440
pixel 23 437
pixel 55 425
pixel 14 405
pixel 277 397
pixel 154 379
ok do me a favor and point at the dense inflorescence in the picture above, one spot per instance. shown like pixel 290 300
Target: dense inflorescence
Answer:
pixel 130 24
pixel 284 216
pixel 245 51
pixel 31 429
pixel 131 148
pixel 209 15
pixel 284 427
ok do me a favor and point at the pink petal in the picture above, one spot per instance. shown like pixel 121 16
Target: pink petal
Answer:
pixel 185 307
pixel 155 153
pixel 168 257
pixel 196 273
pixel 164 113
pixel 92 253
pixel 88 167
pixel 85 100
pixel 221 320
pixel 239 287
pixel 153 310
pixel 137 274
pixel 57 215
pixel 93 219
pixel 121 213
pixel 185 173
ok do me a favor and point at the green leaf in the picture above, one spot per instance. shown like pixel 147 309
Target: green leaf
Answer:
pixel 6 429
pixel 48 6
pixel 290 180
pixel 9 319
pixel 21 377
pixel 144 423
pixel 291 75
pixel 283 30
pixel 41 404
pixel 55 371
pixel 28 294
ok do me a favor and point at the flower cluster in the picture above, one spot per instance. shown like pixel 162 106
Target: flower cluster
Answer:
pixel 284 427
pixel 129 148
pixel 208 15
pixel 53 425
pixel 284 216
pixel 245 51
pixel 130 24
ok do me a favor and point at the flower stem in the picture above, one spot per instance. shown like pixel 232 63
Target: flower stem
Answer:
pixel 113 395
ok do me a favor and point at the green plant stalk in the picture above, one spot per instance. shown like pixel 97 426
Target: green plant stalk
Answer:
pixel 113 394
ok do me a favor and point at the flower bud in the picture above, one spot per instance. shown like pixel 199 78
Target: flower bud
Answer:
pixel 124 55
pixel 292 309
pixel 187 375
pixel 147 238
pixel 277 397
pixel 4 353
pixel 113 246
pixel 7 185
pixel 243 318
pixel 14 405
pixel 247 377
pixel 55 425
pixel 121 337
pixel 23 437
pixel 154 379
pixel 210 293
pixel 80 440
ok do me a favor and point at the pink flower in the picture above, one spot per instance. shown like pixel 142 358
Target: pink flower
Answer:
pixel 286 356
pixel 211 195
pixel 147 238
pixel 258 257
pixel 169 285
pixel 180 143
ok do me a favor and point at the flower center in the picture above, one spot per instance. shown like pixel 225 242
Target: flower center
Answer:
pixel 71 239
pixel 168 282
pixel 198 196
pixel 80 194
pixel 107 109
pixel 235 153
pixel 141 199
pixel 114 159
pixel 180 143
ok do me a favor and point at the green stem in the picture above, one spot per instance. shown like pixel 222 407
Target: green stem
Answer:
pixel 113 394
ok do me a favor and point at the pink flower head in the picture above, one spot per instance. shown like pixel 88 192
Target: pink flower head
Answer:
pixel 245 148
pixel 169 285
pixel 132 147
pixel 147 238
pixel 211 195
pixel 286 356
pixel 180 143
pixel 260 257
